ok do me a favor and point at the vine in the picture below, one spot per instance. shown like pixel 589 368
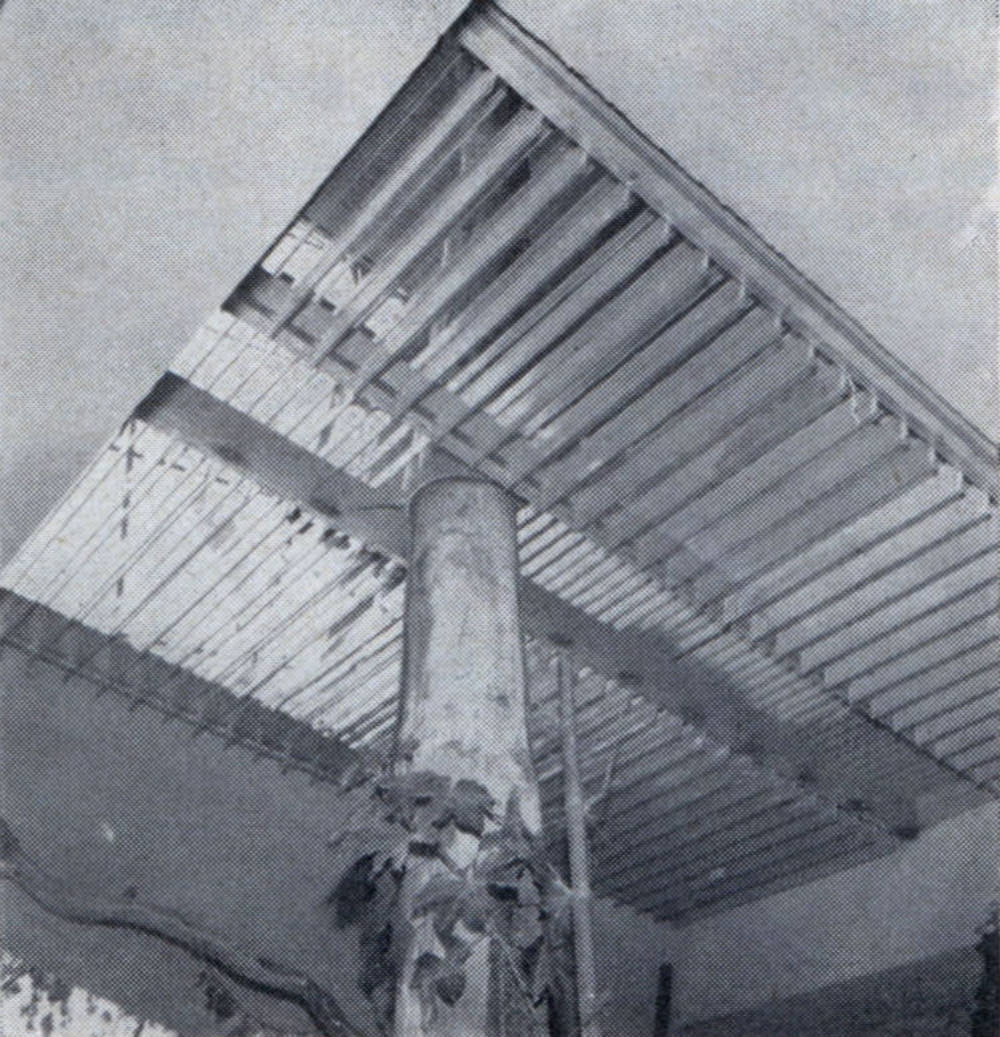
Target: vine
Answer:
pixel 507 896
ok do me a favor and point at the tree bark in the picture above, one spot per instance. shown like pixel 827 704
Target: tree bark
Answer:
pixel 462 707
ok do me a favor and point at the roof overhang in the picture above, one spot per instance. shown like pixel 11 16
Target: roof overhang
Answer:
pixel 772 546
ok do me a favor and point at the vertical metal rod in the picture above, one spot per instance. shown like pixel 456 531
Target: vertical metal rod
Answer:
pixel 579 863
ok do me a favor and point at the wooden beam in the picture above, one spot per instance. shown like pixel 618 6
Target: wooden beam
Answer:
pixel 684 687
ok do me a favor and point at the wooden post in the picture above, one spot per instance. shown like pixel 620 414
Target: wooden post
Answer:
pixel 579 864
pixel 462 709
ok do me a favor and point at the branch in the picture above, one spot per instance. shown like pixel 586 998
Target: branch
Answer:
pixel 239 965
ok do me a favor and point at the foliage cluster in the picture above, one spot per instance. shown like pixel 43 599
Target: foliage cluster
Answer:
pixel 507 895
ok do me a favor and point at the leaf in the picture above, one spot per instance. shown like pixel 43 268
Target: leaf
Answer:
pixel 456 950
pixel 420 796
pixel 380 909
pixel 504 891
pixel 539 967
pixel 424 846
pixel 476 908
pixel 353 892
pixel 432 974
pixel 450 987
pixel 440 890
pixel 471 804
pixel 426 968
pixel 527 889
pixel 525 927
pixel 425 786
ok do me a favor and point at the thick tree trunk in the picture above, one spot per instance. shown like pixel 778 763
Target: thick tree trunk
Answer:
pixel 463 701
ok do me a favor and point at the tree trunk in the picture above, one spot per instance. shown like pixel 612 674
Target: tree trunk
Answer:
pixel 462 710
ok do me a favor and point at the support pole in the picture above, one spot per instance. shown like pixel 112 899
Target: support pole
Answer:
pixel 463 702
pixel 579 864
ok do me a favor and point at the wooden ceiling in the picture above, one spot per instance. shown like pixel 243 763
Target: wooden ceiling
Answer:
pixel 773 547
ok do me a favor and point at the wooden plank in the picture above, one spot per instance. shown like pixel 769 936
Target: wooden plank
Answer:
pixel 673 350
pixel 985 728
pixel 575 583
pixel 664 777
pixel 909 464
pixel 930 652
pixel 624 323
pixel 892 615
pixel 941 688
pixel 602 739
pixel 711 811
pixel 870 562
pixel 642 751
pixel 557 312
pixel 903 714
pixel 834 861
pixel 947 554
pixel 505 148
pixel 549 252
pixel 553 175
pixel 640 744
pixel 661 504
pixel 396 186
pixel 640 384
pixel 868 528
pixel 928 731
pixel 689 858
pixel 987 774
pixel 406 118
pixel 977 755
pixel 702 784
pixel 787 839
pixel 841 846
pixel 654 844
pixel 604 390
pixel 952 614
pixel 441 411
pixel 695 438
pixel 739 518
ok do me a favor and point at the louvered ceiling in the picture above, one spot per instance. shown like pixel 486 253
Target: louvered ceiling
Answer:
pixel 499 278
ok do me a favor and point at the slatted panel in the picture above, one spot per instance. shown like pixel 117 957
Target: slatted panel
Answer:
pixel 177 555
pixel 690 460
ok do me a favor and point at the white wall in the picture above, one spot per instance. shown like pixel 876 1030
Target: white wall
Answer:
pixel 630 949
pixel 928 897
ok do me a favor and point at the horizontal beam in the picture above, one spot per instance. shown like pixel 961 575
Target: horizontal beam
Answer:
pixel 685 687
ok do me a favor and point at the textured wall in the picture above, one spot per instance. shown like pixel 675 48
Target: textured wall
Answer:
pixel 112 799
pixel 932 997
